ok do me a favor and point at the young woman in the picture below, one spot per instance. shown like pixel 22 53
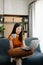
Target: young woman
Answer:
pixel 17 39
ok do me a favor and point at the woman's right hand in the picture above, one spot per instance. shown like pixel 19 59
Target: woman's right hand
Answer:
pixel 10 37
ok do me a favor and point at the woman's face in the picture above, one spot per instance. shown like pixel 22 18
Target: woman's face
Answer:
pixel 18 30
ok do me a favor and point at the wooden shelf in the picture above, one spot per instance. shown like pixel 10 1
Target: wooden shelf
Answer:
pixel 10 20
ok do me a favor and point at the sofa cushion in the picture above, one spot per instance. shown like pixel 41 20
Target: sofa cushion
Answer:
pixel 36 45
pixel 4 58
pixel 35 59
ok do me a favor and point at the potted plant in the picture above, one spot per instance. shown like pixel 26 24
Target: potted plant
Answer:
pixel 1 30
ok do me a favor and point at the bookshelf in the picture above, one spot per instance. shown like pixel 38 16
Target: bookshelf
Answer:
pixel 10 20
pixel 26 26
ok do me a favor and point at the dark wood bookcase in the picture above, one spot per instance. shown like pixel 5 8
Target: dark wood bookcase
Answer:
pixel 10 20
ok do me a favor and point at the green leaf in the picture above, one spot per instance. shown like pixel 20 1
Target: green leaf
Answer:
pixel 2 28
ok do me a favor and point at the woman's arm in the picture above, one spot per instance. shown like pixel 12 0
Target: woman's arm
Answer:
pixel 23 41
pixel 11 43
pixel 24 45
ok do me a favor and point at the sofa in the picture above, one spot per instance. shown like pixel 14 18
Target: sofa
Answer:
pixel 35 59
pixel 4 47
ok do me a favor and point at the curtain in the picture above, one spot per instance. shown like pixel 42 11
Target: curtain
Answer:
pixel 31 19
pixel 36 21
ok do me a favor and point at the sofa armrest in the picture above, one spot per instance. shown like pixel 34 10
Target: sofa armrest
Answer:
pixel 4 45
pixel 28 43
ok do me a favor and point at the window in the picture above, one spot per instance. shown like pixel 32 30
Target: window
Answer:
pixel 37 21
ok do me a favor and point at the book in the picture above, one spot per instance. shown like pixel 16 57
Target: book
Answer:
pixel 27 48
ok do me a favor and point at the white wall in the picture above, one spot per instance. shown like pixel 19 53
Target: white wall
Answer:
pixel 19 7
pixel 1 6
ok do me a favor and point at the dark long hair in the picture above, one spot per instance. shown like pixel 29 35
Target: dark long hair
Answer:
pixel 14 31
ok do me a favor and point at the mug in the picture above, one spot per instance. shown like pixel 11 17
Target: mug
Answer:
pixel 14 35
